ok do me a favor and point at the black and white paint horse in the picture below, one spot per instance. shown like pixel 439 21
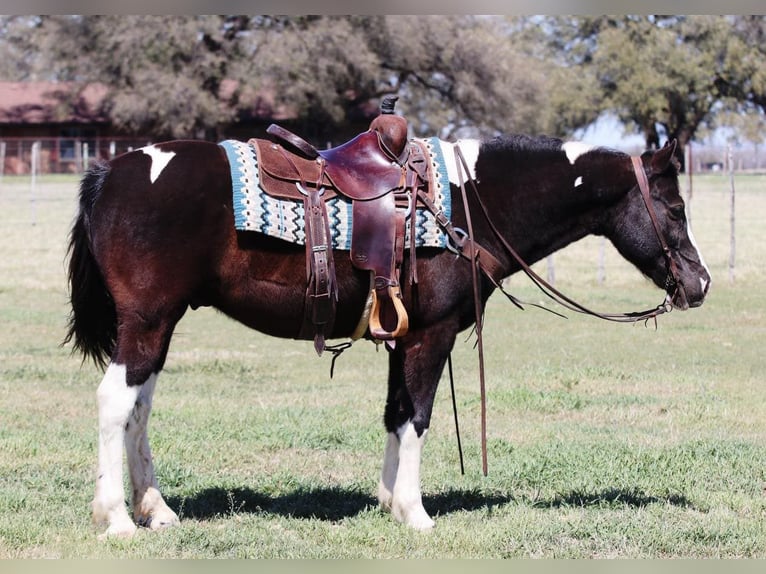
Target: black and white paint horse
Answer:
pixel 155 236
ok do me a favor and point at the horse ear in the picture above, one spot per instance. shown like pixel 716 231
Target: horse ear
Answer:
pixel 664 157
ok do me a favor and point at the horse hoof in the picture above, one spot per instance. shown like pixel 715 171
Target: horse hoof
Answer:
pixel 415 518
pixel 160 523
pixel 124 530
pixel 422 524
pixel 159 520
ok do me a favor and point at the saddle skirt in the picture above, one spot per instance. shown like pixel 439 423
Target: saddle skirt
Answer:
pixel 279 212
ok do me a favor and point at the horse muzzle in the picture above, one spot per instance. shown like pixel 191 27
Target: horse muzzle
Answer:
pixel 677 299
pixel 683 298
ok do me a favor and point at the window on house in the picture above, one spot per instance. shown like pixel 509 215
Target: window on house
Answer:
pixel 73 137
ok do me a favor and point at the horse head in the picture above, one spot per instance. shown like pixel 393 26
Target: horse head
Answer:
pixel 652 231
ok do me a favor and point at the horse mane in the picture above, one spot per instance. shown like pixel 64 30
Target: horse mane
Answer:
pixel 522 145
pixel 528 151
pixel 520 151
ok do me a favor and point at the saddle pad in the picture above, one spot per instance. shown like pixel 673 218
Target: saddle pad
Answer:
pixel 254 210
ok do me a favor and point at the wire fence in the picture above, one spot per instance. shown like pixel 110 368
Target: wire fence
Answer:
pixel 74 155
pixel 33 157
pixel 30 155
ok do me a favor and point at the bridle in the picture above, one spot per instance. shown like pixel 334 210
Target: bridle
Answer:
pixel 483 261
pixel 491 267
pixel 673 280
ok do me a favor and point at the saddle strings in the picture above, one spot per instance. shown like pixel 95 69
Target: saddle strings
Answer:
pixel 473 256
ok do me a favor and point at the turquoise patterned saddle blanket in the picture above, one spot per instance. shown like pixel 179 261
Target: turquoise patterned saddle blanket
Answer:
pixel 254 210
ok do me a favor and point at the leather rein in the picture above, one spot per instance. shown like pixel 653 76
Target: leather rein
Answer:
pixel 482 260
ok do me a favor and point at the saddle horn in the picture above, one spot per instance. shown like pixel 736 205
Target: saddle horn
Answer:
pixel 391 128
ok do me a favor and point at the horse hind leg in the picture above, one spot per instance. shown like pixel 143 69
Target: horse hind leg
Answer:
pixel 149 508
pixel 116 400
pixel 124 404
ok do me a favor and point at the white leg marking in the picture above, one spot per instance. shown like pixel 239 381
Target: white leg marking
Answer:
pixel 160 160
pixel 470 150
pixel 575 150
pixel 388 475
pixel 407 501
pixel 115 403
pixel 149 509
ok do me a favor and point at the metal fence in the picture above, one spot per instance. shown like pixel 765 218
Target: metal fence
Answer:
pixel 23 156
pixel 74 155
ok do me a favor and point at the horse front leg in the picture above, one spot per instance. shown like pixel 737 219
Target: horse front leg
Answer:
pixel 399 488
pixel 415 367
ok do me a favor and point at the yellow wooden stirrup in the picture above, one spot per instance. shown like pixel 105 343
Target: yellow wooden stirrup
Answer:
pixel 402 320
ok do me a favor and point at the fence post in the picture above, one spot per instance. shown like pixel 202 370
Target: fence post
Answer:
pixel 85 156
pixel 601 270
pixel 551 269
pixel 2 160
pixel 689 190
pixel 732 236
pixel 35 161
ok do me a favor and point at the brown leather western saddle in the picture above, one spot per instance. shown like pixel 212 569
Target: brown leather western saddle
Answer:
pixel 380 172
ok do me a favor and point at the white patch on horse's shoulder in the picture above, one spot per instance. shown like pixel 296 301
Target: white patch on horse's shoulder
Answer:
pixel 575 150
pixel 578 181
pixel 470 150
pixel 160 160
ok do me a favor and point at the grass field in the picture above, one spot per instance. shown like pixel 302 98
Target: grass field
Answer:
pixel 605 440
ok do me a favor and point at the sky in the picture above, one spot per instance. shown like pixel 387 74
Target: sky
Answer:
pixel 608 131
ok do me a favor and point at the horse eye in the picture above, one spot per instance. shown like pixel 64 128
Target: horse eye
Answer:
pixel 676 211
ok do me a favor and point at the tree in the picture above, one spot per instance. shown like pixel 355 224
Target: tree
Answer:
pixel 743 75
pixel 562 48
pixel 181 76
pixel 450 71
pixel 668 74
pixel 17 52
pixel 167 74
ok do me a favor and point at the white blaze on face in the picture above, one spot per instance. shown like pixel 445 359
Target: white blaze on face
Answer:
pixel 160 160
pixel 575 150
pixel 703 282
pixel 470 151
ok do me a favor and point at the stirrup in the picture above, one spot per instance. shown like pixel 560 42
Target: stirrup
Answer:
pixel 402 320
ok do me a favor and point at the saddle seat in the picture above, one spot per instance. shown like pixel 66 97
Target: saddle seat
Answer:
pixel 360 169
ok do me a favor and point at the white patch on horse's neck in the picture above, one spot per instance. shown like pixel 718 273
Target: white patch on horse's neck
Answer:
pixel 575 150
pixel 470 151
pixel 160 160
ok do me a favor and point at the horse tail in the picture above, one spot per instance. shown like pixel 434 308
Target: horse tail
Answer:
pixel 93 318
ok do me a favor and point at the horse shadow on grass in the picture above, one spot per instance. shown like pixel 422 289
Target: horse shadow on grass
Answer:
pixel 336 503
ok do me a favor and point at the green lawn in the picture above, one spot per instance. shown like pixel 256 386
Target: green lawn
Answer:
pixel 605 440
